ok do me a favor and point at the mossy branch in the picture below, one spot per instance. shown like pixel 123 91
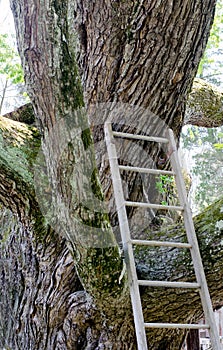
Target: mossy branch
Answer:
pixel 204 105
pixel 23 114
pixel 19 144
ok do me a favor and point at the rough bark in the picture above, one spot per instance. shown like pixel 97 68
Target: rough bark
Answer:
pixel 143 54
pixel 140 55
pixel 52 269
pixel 47 45
pixel 203 107
pixel 50 310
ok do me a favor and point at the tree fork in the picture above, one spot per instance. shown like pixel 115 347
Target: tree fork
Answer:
pixel 128 53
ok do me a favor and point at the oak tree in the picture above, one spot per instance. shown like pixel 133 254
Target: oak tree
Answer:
pixel 63 279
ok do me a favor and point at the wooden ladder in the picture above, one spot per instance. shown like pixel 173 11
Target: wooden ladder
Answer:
pixel 128 242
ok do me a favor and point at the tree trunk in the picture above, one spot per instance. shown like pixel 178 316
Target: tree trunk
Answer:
pixel 133 63
pixel 193 340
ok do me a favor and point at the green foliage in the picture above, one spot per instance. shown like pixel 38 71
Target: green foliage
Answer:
pixel 206 145
pixel 10 65
pixel 165 186
pixel 211 65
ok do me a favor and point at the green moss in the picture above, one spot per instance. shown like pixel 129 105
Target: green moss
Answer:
pixel 8 223
pixel 70 82
pixel 104 272
pixel 86 138
pixel 207 99
pixel 15 159
pixel 5 233
pixel 27 114
pixel 19 145
pixel 41 228
pixel 91 218
pixel 61 9
pixel 129 34
pixel 210 215
pixel 14 133
pixel 31 149
pixel 96 186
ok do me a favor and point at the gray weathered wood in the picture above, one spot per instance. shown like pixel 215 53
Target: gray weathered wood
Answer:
pixel 140 137
pixel 161 243
pixel 146 170
pixel 177 325
pixel 155 206
pixel 168 284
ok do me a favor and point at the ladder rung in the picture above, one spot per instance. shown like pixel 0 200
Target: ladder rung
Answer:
pixel 177 325
pixel 160 243
pixel 168 284
pixel 146 170
pixel 154 206
pixel 140 137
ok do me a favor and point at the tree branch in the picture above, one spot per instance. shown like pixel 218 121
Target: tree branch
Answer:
pixel 204 105
pixel 19 145
pixel 23 114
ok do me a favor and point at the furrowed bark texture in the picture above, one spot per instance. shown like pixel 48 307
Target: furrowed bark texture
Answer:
pixel 203 108
pixel 43 305
pixel 47 44
pixel 136 63
pixel 145 54
pixel 50 310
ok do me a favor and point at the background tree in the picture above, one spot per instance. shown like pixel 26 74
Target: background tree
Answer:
pixel 202 140
pixel 11 75
pixel 112 53
pixel 210 67
pixel 206 149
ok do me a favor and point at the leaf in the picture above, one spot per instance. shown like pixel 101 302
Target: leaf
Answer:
pixel 218 145
pixel 10 64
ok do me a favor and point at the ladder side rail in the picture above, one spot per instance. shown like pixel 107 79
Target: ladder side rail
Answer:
pixel 195 251
pixel 126 239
